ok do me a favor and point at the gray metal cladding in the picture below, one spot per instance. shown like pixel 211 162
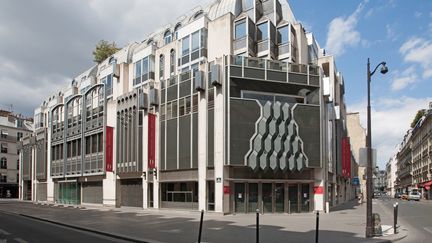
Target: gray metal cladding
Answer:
pixel 184 142
pixel 308 121
pixel 243 114
pixel 41 159
pixel 285 138
pixel 210 141
pixel 131 192
pixel 162 145
pixel 92 192
pixel 171 144
pixel 172 93
pixel 41 191
pixel 185 88
pixel 26 163
pixel 195 140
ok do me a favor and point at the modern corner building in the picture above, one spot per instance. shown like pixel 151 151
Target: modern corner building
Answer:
pixel 232 108
pixel 12 128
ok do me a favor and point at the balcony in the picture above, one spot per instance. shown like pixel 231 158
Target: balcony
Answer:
pixel 258 68
pixel 244 44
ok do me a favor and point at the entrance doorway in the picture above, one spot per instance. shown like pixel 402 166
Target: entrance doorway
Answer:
pixel 239 198
pixel 150 195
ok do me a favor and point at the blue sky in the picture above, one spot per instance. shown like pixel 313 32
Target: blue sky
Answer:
pixel 398 32
pixel 47 43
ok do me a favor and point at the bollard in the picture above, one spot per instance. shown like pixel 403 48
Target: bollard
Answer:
pixel 317 227
pixel 200 227
pixel 395 215
pixel 257 226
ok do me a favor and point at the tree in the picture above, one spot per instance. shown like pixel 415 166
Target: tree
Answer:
pixel 417 117
pixel 103 50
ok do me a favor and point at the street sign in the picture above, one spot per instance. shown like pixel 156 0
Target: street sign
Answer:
pixel 356 181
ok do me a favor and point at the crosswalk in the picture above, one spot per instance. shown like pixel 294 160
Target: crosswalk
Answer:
pixel 6 239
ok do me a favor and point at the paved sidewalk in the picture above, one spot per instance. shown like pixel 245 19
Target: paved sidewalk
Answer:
pixel 346 223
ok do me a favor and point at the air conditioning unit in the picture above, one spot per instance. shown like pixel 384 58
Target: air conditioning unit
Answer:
pixel 153 96
pixel 215 78
pixel 199 81
pixel 143 100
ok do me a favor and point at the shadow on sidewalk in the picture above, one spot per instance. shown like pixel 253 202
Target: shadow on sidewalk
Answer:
pixel 350 205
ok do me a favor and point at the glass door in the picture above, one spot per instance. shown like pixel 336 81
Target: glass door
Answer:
pixel 293 206
pixel 279 197
pixel 253 197
pixel 150 195
pixel 267 197
pixel 239 197
pixel 210 195
pixel 305 197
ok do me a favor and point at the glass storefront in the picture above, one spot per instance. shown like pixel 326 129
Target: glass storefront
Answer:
pixel 269 197
pixel 67 193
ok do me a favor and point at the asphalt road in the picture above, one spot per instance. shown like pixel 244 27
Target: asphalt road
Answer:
pixel 415 216
pixel 16 228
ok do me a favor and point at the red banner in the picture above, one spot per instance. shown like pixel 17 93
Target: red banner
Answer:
pixel 109 149
pixel 151 141
pixel 318 190
pixel 346 157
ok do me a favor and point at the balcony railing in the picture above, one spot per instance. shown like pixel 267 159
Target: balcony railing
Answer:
pixel 259 68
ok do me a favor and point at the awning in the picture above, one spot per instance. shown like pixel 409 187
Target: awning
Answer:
pixel 427 185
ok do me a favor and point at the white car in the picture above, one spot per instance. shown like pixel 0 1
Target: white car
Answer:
pixel 414 196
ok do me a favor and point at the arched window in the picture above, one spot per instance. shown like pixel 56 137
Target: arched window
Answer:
pixel 172 61
pixel 167 37
pixel 161 66
pixel 3 163
pixel 198 14
pixel 176 28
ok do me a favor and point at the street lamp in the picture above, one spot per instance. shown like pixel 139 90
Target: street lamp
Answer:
pixel 369 226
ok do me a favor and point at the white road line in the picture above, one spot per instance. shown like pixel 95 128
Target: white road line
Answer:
pixel 20 240
pixel 4 232
pixel 428 229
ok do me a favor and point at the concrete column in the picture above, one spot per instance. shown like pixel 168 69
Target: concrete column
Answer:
pixel 109 184
pixel 50 182
pixel 319 189
pixel 33 174
pixel 219 115
pixel 202 150
pixel 20 182
pixel 156 192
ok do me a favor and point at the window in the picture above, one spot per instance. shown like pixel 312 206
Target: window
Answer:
pixel 240 29
pixel 195 41
pixel 145 68
pixel 18 164
pixel 185 46
pixel 4 148
pixel 94 143
pixel 172 61
pixel 283 35
pixel 3 178
pixel 137 72
pixel 100 142
pixel 88 145
pixel 262 33
pixel 3 163
pixel 167 37
pixel 108 84
pixel 248 4
pixel 20 123
pixel 4 134
pixel 161 66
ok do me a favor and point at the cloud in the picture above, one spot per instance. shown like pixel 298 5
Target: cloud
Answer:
pixel 391 33
pixel 418 14
pixel 45 43
pixel 403 79
pixel 342 32
pixel 418 51
pixel 391 118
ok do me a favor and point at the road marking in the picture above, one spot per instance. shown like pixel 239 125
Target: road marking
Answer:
pixel 4 232
pixel 428 229
pixel 20 240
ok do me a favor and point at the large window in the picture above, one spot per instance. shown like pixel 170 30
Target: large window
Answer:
pixel 195 41
pixel 108 84
pixel 240 29
pixel 144 70
pixel 3 163
pixel 4 134
pixel 262 33
pixel 4 148
pixel 185 45
pixel 283 35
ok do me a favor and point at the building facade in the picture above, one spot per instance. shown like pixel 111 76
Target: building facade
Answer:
pixel 12 128
pixel 231 109
pixel 391 168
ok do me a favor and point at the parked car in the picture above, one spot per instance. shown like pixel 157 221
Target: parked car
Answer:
pixel 397 195
pixel 414 196
pixel 404 197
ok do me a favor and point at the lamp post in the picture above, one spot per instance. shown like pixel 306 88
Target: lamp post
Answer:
pixel 369 226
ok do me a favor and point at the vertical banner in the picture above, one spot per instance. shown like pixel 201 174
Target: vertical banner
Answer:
pixel 151 141
pixel 346 158
pixel 109 149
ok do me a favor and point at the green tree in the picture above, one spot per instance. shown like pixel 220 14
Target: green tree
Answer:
pixel 103 50
pixel 417 117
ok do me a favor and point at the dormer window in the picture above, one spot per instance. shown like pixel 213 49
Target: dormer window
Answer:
pixel 282 35
pixel 176 28
pixel 198 14
pixel 167 37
